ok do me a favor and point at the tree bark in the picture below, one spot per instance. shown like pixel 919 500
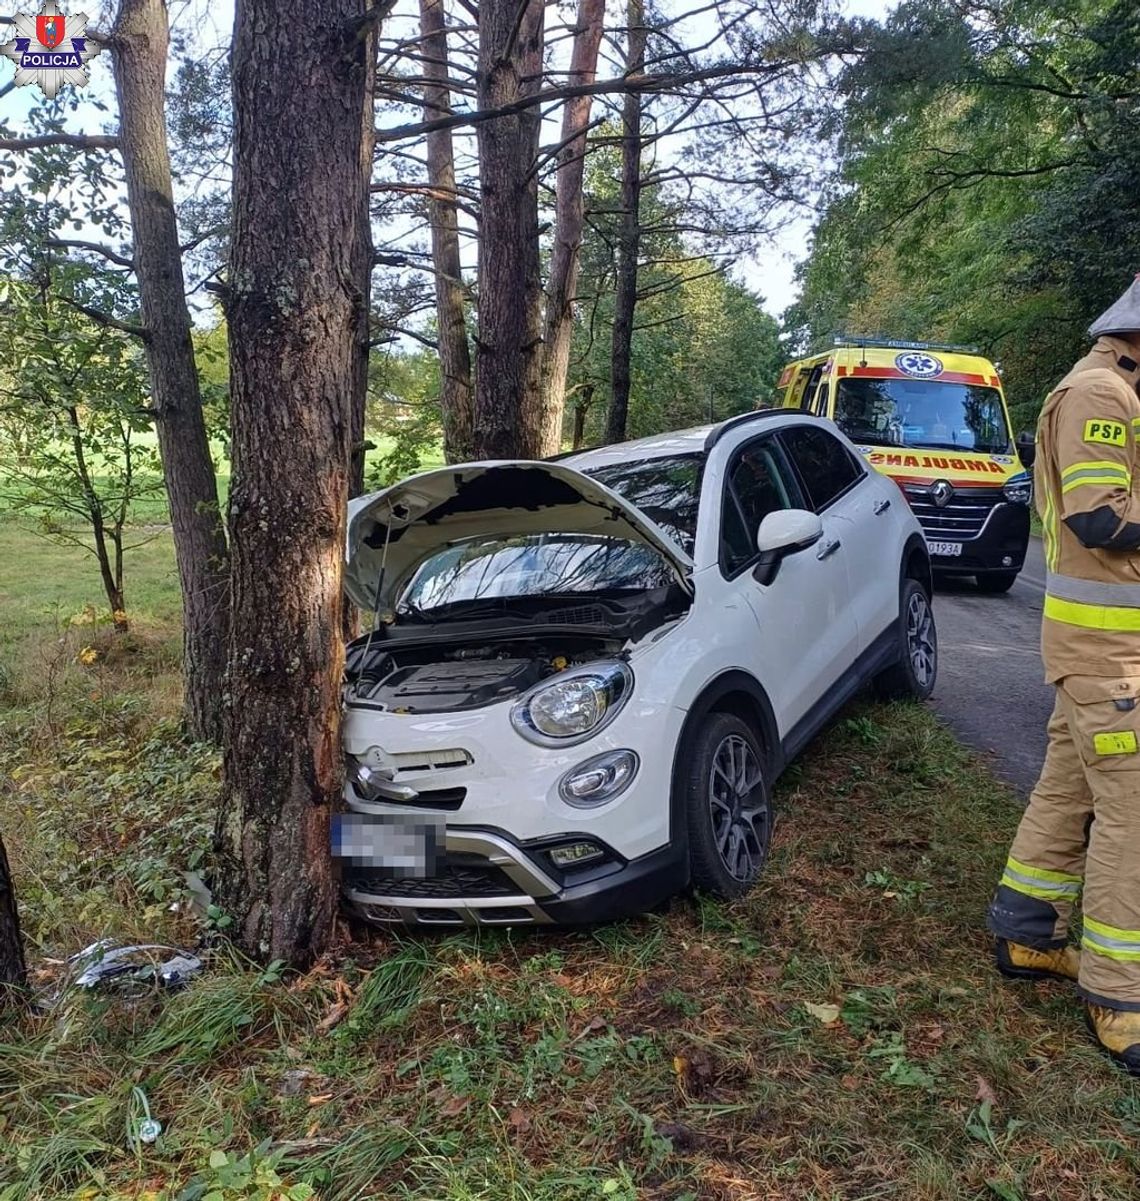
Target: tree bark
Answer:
pixel 581 411
pixel 141 37
pixel 13 974
pixel 629 237
pixel 456 399
pixel 508 370
pixel 569 210
pixel 300 195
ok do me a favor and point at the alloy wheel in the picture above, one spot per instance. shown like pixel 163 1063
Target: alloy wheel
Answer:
pixel 920 638
pixel 738 805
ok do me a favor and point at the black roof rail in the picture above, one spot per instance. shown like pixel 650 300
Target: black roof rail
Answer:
pixel 567 454
pixel 718 431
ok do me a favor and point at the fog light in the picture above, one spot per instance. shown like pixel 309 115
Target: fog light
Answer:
pixel 1007 560
pixel 574 854
pixel 599 779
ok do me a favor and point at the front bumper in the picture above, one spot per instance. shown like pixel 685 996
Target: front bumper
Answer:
pixel 999 546
pixel 489 879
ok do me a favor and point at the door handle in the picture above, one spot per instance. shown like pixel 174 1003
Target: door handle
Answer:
pixel 881 506
pixel 828 548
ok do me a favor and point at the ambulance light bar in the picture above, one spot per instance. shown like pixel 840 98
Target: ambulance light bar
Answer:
pixel 897 343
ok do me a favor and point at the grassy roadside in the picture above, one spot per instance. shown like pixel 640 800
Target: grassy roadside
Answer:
pixel 838 1035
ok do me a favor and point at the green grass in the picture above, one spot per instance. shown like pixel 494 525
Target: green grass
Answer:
pixel 687 1054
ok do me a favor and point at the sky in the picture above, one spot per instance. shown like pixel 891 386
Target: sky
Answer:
pixel 770 271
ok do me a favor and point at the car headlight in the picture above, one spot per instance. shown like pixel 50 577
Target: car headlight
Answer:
pixel 573 705
pixel 1019 490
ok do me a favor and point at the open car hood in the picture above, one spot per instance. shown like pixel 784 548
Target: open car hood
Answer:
pixel 424 514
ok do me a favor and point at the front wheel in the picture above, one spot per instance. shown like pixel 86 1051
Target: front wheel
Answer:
pixel 995 581
pixel 912 676
pixel 727 811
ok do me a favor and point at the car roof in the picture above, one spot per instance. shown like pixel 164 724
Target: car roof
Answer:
pixel 697 440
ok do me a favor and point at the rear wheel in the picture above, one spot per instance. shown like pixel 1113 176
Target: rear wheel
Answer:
pixel 996 581
pixel 727 810
pixel 912 676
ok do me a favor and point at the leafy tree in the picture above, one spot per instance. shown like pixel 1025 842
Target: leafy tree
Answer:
pixel 990 161
pixel 76 434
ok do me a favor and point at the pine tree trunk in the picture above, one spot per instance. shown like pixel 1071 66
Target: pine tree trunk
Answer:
pixel 456 399
pixel 300 195
pixel 581 411
pixel 569 209
pixel 629 237
pixel 141 36
pixel 13 975
pixel 508 371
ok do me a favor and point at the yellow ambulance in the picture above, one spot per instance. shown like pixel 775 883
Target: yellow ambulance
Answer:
pixel 934 419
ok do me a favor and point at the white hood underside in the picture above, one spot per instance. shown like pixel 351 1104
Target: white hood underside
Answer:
pixel 422 515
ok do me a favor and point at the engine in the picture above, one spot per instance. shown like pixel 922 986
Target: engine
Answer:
pixel 461 678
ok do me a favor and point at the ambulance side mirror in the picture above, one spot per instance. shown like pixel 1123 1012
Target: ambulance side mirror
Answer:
pixel 1026 448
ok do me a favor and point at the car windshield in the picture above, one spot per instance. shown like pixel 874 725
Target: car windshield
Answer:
pixel 922 413
pixel 497 568
pixel 667 490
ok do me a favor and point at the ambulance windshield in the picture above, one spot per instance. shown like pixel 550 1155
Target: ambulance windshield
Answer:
pixel 922 413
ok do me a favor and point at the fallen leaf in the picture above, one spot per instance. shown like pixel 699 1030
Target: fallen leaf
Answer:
pixel 519 1121
pixel 333 1017
pixel 850 1083
pixel 679 1065
pixel 827 1014
pixel 320 1098
pixel 454 1107
pixel 890 895
pixel 985 1091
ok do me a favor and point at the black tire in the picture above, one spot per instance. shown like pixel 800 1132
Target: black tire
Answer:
pixel 913 676
pixel 995 581
pixel 727 809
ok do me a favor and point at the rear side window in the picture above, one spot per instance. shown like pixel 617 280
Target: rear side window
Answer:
pixel 825 466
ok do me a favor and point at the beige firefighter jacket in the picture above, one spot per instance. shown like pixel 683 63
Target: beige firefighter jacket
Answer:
pixel 1087 485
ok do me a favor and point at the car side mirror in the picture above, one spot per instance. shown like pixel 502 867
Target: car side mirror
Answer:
pixel 784 533
pixel 1027 448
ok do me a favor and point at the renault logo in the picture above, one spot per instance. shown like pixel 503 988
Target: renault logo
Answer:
pixel 940 492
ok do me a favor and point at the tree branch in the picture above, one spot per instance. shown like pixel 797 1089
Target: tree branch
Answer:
pixel 112 255
pixel 662 82
pixel 77 141
pixel 107 321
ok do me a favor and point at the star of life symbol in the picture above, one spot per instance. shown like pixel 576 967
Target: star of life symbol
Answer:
pixel 917 363
pixel 50 50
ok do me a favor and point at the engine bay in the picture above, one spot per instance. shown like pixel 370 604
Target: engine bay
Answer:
pixel 432 680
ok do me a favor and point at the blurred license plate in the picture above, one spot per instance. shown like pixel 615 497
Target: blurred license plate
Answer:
pixel 404 846
pixel 945 548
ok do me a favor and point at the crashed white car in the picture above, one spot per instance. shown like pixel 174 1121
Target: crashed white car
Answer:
pixel 585 674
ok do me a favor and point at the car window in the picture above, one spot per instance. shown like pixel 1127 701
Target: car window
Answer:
pixel 756 486
pixel 826 467
pixel 808 398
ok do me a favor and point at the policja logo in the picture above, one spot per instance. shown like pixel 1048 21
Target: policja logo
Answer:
pixel 50 49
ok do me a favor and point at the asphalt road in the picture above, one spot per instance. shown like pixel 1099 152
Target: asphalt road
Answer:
pixel 990 688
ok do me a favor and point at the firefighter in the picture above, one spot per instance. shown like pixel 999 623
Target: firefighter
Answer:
pixel 1081 829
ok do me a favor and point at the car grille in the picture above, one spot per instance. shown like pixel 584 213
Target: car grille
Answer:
pixel 960 519
pixel 454 882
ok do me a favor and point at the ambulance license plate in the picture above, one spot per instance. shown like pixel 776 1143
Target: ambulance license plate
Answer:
pixel 946 549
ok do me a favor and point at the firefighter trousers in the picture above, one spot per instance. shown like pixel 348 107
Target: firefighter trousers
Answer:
pixel 1081 832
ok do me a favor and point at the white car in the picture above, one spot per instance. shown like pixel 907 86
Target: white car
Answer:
pixel 586 674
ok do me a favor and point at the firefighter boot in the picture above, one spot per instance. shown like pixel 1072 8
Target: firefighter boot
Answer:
pixel 1118 1032
pixel 1027 963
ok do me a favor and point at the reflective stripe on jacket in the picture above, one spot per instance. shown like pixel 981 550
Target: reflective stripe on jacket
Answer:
pixel 1088 468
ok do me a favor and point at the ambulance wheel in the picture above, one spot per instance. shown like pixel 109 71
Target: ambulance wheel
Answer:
pixel 996 581
pixel 912 676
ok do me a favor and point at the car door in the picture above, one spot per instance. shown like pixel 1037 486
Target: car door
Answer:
pixel 807 633
pixel 851 499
